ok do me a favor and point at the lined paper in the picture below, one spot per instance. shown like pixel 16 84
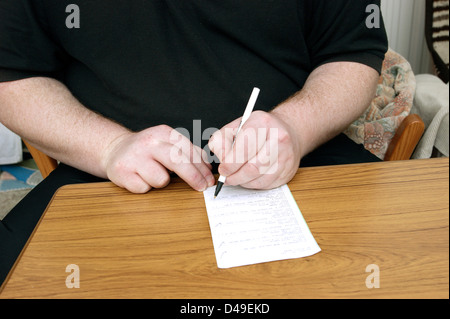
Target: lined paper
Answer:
pixel 256 226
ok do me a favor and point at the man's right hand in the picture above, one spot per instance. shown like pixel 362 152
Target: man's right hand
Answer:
pixel 141 161
pixel 45 113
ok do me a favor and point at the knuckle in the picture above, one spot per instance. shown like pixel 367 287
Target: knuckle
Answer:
pixel 284 137
pixel 229 168
pixel 196 177
pixel 197 180
pixel 224 169
pixel 120 168
pixel 161 181
pixel 251 169
pixel 150 140
pixel 255 184
pixel 164 128
pixel 263 117
pixel 156 133
pixel 215 143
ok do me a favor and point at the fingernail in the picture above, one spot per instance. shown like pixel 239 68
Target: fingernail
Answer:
pixel 211 180
pixel 203 187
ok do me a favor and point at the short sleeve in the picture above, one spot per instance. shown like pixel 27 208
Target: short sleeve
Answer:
pixel 346 30
pixel 26 49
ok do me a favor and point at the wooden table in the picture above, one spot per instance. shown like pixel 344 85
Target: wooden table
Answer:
pixel 394 215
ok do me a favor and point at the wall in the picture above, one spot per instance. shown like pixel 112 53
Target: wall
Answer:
pixel 405 25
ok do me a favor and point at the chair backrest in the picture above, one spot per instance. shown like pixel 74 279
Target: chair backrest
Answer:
pixel 386 128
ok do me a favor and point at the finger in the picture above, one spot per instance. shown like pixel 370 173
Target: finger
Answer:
pixel 183 151
pixel 263 182
pixel 154 174
pixel 123 174
pixel 248 143
pixel 221 141
pixel 269 180
pixel 265 162
pixel 196 154
pixel 276 172
pixel 175 159
pixel 204 156
pixel 133 183
pixel 200 159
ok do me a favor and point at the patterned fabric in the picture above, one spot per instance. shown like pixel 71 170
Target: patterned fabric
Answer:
pixel 392 103
pixel 16 177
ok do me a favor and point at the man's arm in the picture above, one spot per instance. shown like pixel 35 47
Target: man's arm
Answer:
pixel 46 114
pixel 334 95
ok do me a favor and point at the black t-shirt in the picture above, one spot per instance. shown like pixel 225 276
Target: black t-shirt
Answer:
pixel 144 63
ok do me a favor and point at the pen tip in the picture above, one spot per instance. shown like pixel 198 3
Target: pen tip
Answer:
pixel 215 196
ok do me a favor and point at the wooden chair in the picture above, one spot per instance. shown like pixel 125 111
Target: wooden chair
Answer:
pixel 401 147
pixel 45 163
pixel 405 139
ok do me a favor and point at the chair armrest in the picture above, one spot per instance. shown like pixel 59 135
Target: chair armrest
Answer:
pixel 405 139
pixel 45 163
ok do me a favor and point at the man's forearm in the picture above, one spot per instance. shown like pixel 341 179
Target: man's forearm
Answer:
pixel 44 112
pixel 334 95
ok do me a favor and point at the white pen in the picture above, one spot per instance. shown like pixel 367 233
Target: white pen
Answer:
pixel 248 111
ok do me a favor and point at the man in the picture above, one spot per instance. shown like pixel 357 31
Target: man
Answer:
pixel 102 85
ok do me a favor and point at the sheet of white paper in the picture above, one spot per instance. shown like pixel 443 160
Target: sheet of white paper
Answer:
pixel 255 226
